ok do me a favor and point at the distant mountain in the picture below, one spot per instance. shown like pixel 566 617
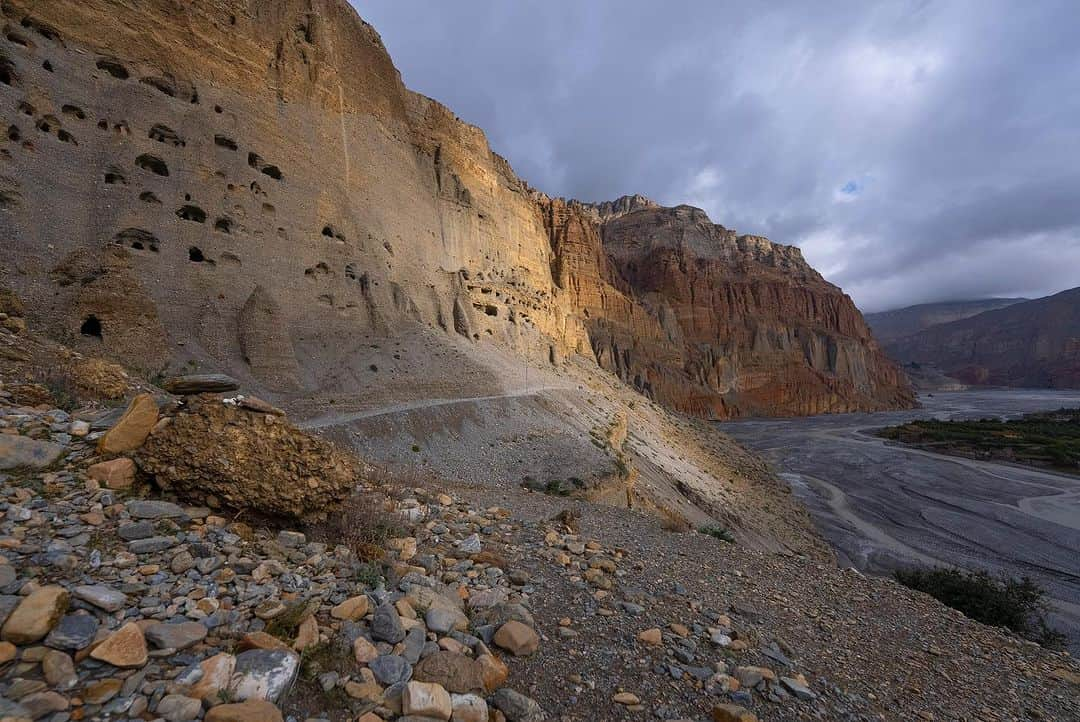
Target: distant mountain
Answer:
pixel 1033 343
pixel 890 325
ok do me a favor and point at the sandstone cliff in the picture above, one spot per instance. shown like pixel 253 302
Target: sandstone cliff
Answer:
pixel 251 188
pixel 1033 344
pixel 711 322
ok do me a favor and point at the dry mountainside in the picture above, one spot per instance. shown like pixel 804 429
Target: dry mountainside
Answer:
pixel 1033 344
pixel 124 600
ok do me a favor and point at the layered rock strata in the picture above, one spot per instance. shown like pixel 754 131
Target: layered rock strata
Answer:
pixel 250 189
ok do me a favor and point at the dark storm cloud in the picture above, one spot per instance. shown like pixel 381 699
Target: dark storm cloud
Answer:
pixel 916 151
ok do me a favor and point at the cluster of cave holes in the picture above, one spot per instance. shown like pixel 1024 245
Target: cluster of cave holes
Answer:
pixel 256 162
pixel 137 239
pixel 224 142
pixel 46 124
pixel 163 83
pixel 121 128
pixel 224 225
pixel 165 134
pixel 46 31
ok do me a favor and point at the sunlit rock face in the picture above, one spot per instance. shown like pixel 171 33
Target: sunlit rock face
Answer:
pixel 249 187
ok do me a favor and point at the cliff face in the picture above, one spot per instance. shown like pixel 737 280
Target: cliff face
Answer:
pixel 248 186
pixel 711 322
pixel 1030 344
pixel 159 185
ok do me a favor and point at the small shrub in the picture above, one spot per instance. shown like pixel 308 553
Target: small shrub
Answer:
pixel 61 388
pixel 416 448
pixel 370 575
pixel 674 524
pixel 363 525
pixel 1015 604
pixel 285 625
pixel 717 532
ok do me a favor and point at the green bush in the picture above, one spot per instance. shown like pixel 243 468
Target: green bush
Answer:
pixel 1015 604
pixel 718 532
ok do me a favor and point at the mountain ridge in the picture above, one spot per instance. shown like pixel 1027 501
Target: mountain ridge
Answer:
pixel 1033 343
pixel 908 320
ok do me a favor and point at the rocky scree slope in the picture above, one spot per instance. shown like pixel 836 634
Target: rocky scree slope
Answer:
pixel 1031 344
pixel 250 188
pixel 117 602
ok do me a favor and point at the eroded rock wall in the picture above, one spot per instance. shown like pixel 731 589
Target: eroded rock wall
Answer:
pixel 165 160
pixel 198 151
pixel 711 322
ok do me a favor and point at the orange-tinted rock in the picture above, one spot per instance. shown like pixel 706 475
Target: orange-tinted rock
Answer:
pixel 517 638
pixel 35 616
pixel 250 711
pixel 732 713
pixel 134 426
pixel 493 671
pixel 733 324
pixel 114 474
pixel 260 640
pixel 126 647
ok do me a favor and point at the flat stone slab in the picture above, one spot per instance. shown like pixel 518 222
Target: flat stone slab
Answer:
pixel 200 384
pixel 152 509
pixel 24 452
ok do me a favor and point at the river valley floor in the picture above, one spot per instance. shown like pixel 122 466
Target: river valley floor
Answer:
pixel 883 505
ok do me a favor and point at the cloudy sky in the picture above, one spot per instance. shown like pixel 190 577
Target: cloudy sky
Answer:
pixel 916 150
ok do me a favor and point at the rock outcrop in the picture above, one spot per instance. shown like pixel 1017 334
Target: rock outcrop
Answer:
pixel 225 456
pixel 711 322
pixel 1030 344
pixel 250 189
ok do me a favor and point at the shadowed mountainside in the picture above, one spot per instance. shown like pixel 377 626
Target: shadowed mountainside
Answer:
pixel 890 325
pixel 1034 343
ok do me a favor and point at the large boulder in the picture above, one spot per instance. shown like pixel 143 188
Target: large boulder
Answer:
pixel 222 455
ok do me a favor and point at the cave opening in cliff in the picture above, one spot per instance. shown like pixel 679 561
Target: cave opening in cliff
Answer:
pixel 192 213
pixel 113 68
pixel 195 255
pixel 91 326
pixel 153 164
